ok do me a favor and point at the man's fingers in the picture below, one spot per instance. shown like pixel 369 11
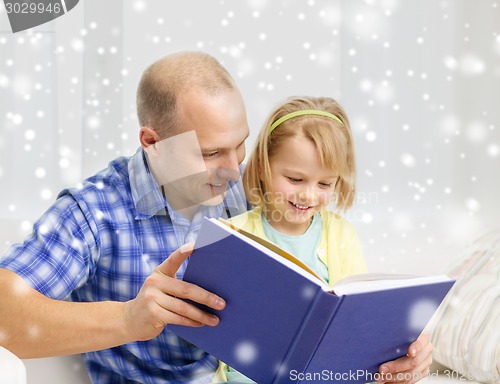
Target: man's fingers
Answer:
pixel 186 312
pixel 184 290
pixel 173 262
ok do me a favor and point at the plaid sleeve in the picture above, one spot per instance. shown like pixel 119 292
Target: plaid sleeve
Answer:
pixel 59 255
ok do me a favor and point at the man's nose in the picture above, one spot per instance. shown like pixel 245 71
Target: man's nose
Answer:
pixel 230 168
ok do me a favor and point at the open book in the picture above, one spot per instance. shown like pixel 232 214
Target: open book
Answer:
pixel 283 324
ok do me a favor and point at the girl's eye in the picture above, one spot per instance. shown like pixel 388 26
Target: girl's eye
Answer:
pixel 294 180
pixel 210 155
pixel 325 185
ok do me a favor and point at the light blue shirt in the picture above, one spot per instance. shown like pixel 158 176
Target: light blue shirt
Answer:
pixel 303 247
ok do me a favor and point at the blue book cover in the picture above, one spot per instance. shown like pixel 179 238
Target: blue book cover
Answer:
pixel 282 324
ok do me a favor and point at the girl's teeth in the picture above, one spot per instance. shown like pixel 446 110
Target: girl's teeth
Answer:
pixel 300 206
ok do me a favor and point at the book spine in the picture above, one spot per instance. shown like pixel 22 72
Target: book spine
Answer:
pixel 308 337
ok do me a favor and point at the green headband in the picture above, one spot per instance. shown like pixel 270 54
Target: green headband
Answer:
pixel 303 113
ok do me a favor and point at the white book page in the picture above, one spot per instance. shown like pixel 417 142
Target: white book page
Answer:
pixel 370 282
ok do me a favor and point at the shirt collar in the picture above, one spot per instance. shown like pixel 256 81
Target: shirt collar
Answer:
pixel 149 201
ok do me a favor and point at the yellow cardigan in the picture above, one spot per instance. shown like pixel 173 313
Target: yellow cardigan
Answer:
pixel 339 249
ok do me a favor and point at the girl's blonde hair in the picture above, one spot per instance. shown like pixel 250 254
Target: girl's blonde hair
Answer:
pixel 332 139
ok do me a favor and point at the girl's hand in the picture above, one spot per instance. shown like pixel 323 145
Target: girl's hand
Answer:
pixel 410 368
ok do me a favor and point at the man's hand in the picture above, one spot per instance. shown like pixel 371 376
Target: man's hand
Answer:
pixel 410 368
pixel 159 301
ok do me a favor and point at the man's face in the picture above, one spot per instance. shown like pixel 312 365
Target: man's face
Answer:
pixel 195 164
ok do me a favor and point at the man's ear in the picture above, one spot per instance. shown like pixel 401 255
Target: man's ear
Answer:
pixel 148 136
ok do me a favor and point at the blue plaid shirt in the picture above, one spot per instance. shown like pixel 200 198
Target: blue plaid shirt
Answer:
pixel 100 242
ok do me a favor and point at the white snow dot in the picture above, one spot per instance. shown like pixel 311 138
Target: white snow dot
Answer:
pixel 46 194
pixel 472 65
pixel 308 292
pixel 139 5
pixel 370 136
pixel 246 352
pixel 4 81
pixel 262 36
pixel 472 204
pixel 17 119
pixel 476 132
pixel 408 160
pixel 450 63
pixel 93 122
pixel 29 134
pixel 366 85
pixel 26 225
pixel 78 45
pixel 420 40
pixel 420 313
pixel 40 173
pixel 63 163
pixel 33 331
pixel 493 150
pixel 447 190
pixel 366 218
pixel 396 107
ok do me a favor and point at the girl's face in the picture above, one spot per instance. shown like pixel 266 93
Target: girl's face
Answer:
pixel 300 186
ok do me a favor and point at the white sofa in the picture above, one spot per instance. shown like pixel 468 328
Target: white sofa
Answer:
pixel 56 370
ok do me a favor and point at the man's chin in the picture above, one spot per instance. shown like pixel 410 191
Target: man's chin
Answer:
pixel 215 200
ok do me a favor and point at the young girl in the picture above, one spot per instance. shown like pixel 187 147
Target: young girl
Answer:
pixel 304 162
pixel 303 165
